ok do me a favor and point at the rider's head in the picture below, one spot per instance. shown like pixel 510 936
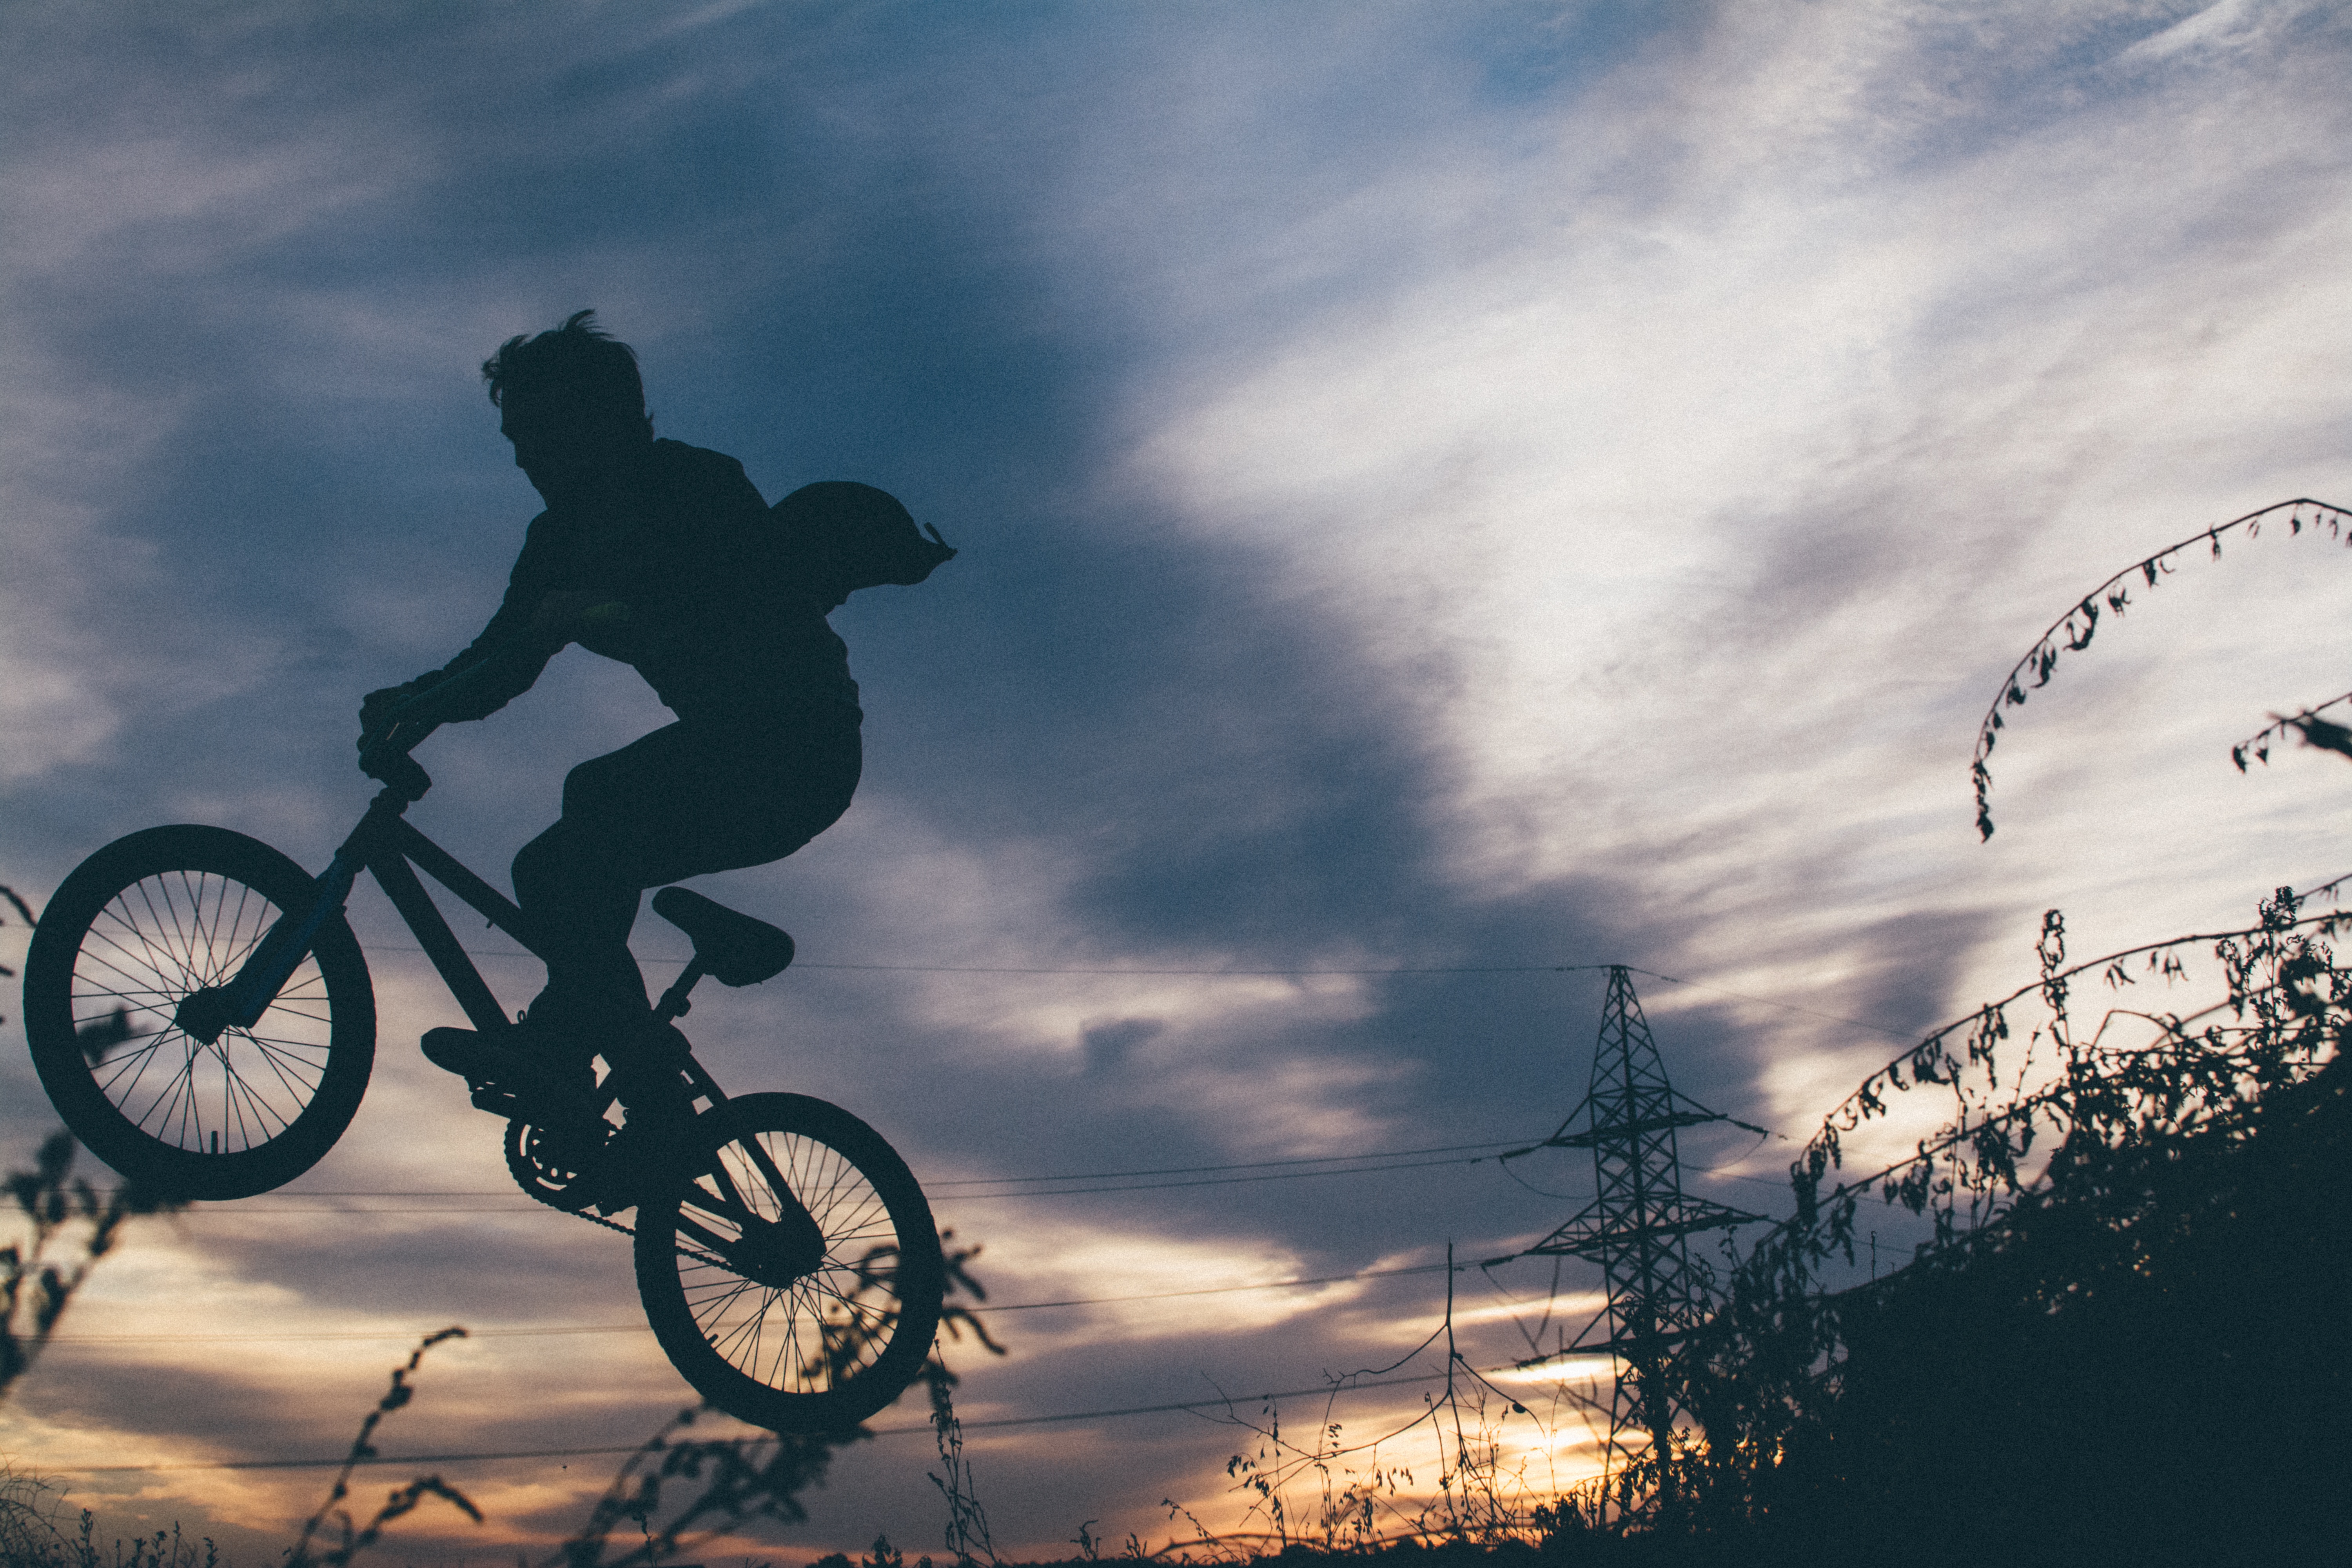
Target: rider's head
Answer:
pixel 571 403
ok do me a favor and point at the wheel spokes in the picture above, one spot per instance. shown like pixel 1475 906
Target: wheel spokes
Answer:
pixel 821 1329
pixel 155 943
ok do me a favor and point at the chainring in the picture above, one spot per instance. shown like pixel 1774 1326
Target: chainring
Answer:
pixel 550 1169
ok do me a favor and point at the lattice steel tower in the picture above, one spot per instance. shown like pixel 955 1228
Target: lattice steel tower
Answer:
pixel 1636 1228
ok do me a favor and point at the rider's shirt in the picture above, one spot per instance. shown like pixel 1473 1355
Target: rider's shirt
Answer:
pixel 717 623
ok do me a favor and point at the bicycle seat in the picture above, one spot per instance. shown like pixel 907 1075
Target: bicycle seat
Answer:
pixel 735 949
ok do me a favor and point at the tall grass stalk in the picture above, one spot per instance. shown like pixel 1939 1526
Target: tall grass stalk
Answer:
pixel 402 1501
pixel 66 1228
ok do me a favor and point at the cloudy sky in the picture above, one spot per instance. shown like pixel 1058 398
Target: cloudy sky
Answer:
pixel 1462 490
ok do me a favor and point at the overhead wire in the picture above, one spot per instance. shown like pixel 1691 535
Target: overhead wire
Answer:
pixel 975 1188
pixel 946 1190
pixel 1239 1166
pixel 640 1328
pixel 523 1205
pixel 1285 974
pixel 998 1423
pixel 517 1203
pixel 1077 969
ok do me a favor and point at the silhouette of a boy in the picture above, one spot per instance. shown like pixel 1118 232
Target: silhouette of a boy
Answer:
pixel 661 555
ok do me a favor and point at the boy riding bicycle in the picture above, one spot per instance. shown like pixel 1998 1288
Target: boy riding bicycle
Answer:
pixel 203 1017
pixel 664 556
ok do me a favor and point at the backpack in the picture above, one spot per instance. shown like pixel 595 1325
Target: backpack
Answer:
pixel 839 536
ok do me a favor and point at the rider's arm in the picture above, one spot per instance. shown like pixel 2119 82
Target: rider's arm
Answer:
pixel 509 644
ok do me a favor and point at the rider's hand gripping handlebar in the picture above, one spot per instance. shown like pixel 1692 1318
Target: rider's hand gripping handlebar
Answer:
pixel 383 752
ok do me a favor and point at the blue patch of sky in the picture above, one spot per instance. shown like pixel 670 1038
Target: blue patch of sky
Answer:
pixel 2000 79
pixel 1532 56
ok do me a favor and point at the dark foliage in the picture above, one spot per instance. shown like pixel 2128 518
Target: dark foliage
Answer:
pixel 356 1538
pixel 2125 1343
pixel 36 1284
pixel 730 1480
pixel 2150 1361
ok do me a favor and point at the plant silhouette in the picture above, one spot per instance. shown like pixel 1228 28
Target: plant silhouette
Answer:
pixel 402 1501
pixel 42 1268
pixel 2072 631
pixel 726 1482
pixel 2090 1198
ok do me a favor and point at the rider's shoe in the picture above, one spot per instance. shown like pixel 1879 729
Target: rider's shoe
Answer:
pixel 460 1051
pixel 523 1073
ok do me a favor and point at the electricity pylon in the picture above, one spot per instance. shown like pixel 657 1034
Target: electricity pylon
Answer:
pixel 1636 1228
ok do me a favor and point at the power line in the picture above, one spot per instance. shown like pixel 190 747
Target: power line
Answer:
pixel 451 1458
pixel 942 1192
pixel 1048 969
pixel 520 1205
pixel 1229 1290
pixel 1245 973
pixel 1204 1170
pixel 1257 974
pixel 1767 1002
pixel 1344 1165
pixel 640 1328
pixel 525 1207
pixel 344 1335
pixel 937 1185
pixel 1207 1180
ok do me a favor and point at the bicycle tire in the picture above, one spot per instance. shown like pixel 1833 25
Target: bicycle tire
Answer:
pixel 138 926
pixel 791 1347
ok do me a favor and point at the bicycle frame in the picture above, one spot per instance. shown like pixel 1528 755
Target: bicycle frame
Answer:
pixel 392 850
pixel 387 845
pixel 399 851
pixel 767 1209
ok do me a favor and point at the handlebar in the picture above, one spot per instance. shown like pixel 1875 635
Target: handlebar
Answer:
pixel 388 747
pixel 386 759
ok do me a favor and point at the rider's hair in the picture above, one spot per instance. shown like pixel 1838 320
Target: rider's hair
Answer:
pixel 579 361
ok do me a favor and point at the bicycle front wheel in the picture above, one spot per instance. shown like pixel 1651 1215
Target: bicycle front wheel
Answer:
pixel 136 929
pixel 793 1274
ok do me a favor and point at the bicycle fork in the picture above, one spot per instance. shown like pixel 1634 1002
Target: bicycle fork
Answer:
pixel 207 1014
pixel 384 843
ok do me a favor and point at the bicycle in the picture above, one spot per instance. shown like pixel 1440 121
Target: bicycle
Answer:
pixel 190 987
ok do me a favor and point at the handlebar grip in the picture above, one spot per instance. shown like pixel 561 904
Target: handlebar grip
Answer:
pixel 396 770
pixel 384 757
pixel 385 754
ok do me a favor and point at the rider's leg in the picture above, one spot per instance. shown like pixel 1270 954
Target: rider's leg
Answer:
pixel 583 906
pixel 689 799
pixel 685 801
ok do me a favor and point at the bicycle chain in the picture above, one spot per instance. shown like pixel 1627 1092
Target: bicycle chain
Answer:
pixel 582 1212
pixel 539 1196
pixel 600 1219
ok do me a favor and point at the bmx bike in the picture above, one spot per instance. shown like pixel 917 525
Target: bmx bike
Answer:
pixel 203 1019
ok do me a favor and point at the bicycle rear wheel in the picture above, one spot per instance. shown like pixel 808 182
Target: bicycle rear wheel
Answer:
pixel 136 929
pixel 793 1274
